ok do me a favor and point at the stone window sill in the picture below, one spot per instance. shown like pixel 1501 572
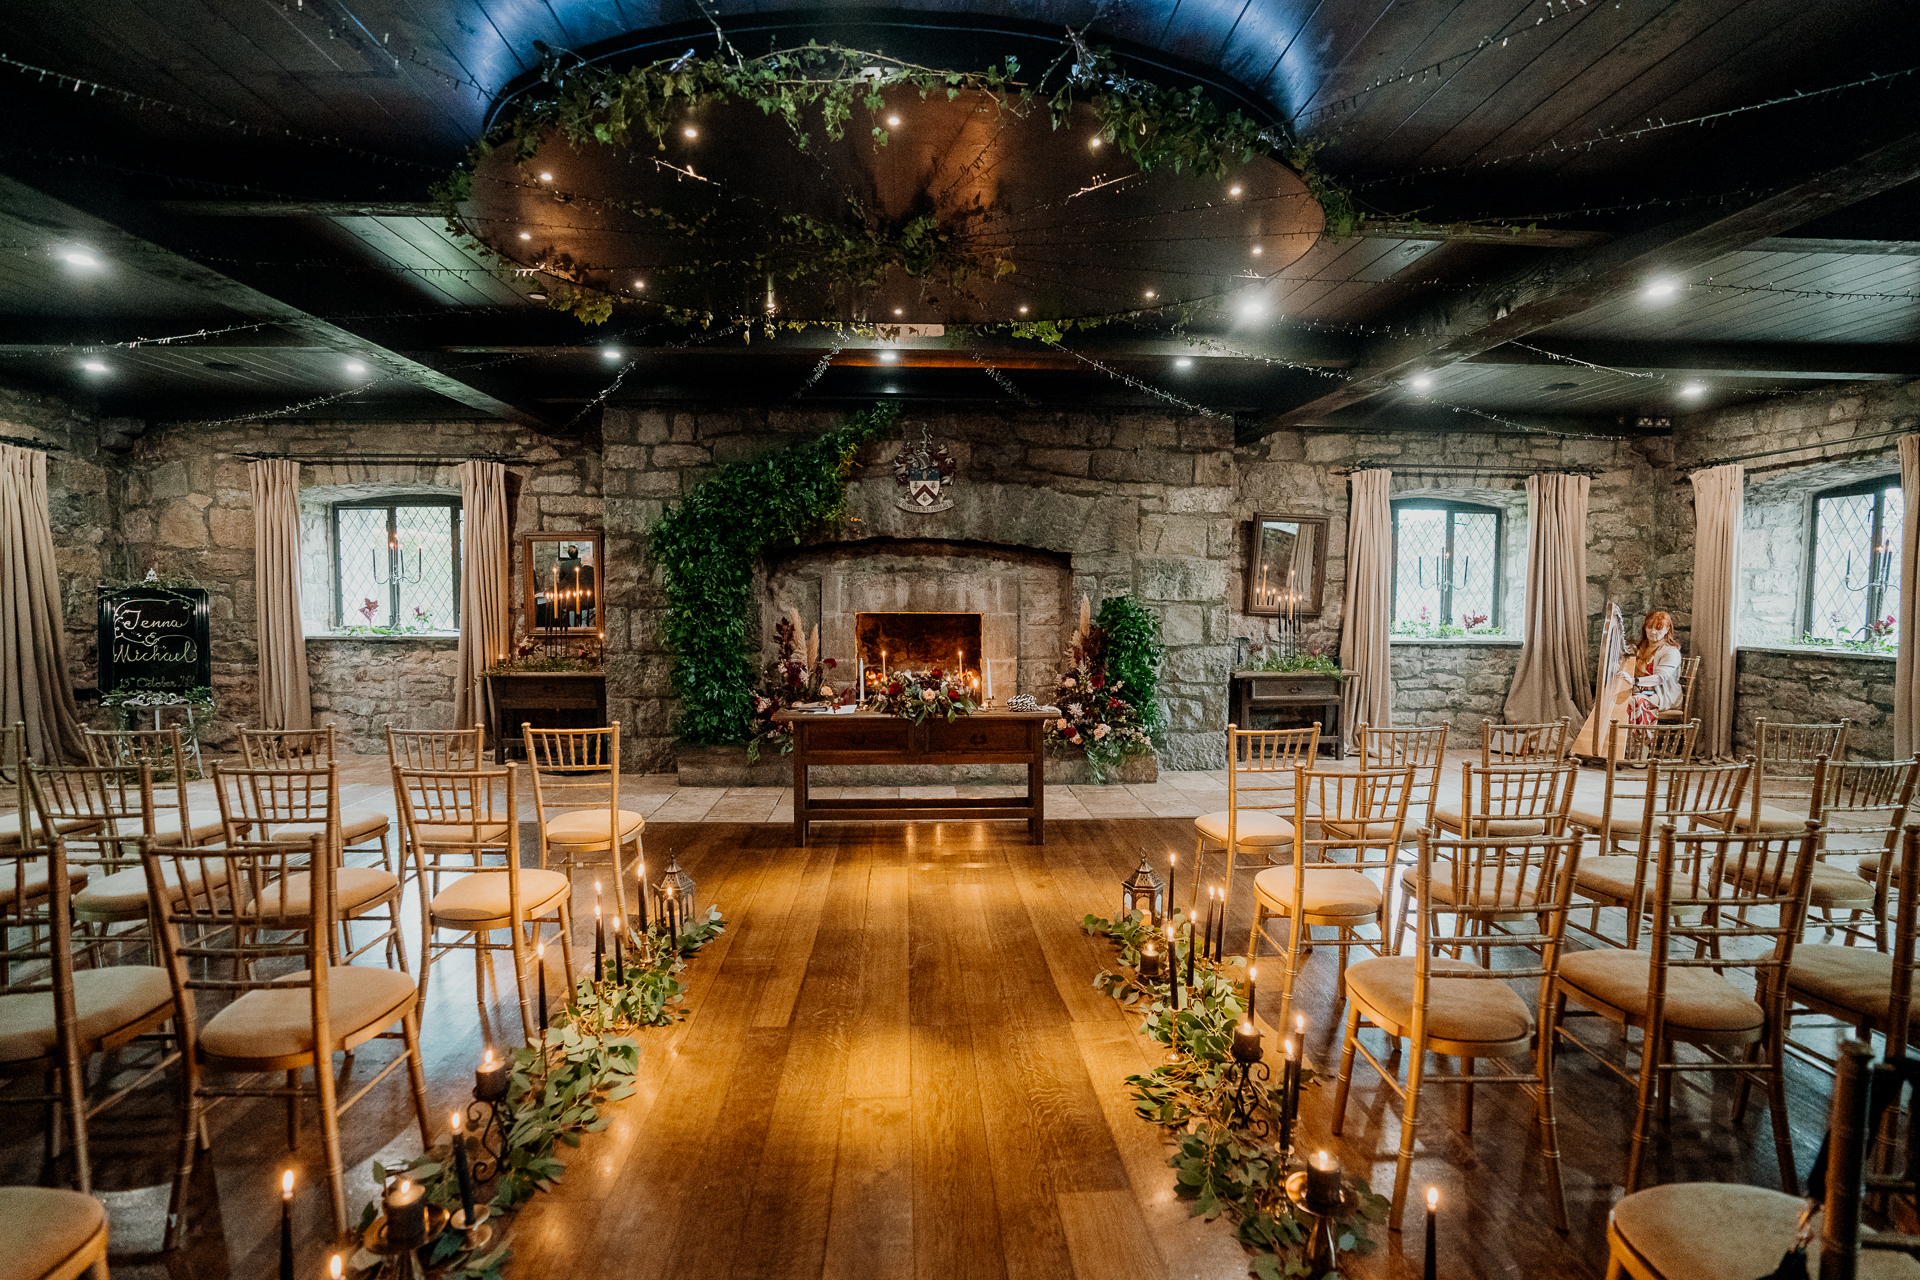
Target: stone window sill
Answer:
pixel 427 637
pixel 1816 651
pixel 1461 641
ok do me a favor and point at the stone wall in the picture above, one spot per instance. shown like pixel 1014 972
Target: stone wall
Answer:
pixel 1451 681
pixel 1809 687
pixel 367 686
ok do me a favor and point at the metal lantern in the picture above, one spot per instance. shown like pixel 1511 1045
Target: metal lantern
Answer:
pixel 682 885
pixel 1143 891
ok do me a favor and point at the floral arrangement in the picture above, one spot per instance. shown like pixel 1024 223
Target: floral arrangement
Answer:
pixel 921 695
pixel 1097 713
pixel 421 623
pixel 1423 626
pixel 1263 657
pixel 1876 637
pixel 797 674
pixel 125 701
pixel 544 658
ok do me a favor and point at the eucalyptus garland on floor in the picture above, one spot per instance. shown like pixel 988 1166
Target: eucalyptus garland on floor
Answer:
pixel 1218 1167
pixel 707 546
pixel 556 1088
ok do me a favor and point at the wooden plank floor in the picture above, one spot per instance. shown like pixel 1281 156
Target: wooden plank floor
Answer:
pixel 896 1065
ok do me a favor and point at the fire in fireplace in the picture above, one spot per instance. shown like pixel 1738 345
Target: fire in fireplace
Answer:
pixel 916 642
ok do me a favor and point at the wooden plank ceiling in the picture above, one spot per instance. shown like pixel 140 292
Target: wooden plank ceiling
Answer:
pixel 1497 146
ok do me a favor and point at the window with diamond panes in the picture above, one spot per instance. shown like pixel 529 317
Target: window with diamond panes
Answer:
pixel 1853 579
pixel 1446 565
pixel 397 564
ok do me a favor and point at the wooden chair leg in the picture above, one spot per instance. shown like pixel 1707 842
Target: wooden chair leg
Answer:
pixel 1199 867
pixel 1777 1104
pixel 183 1170
pixel 1466 1100
pixel 1348 1051
pixel 519 945
pixel 1409 1124
pixel 566 948
pixel 1549 1125
pixel 417 1074
pixel 1290 974
pixel 293 1110
pixel 330 1135
pixel 74 1086
pixel 482 964
pixel 1652 1053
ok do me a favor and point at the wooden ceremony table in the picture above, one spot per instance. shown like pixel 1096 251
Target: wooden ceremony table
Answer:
pixel 868 738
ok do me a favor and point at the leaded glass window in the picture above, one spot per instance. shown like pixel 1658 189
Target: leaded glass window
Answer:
pixel 397 564
pixel 1853 578
pixel 1446 571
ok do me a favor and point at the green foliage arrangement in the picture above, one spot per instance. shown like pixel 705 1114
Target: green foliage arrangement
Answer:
pixel 1104 714
pixel 555 1093
pixel 1133 652
pixel 706 547
pixel 921 695
pixel 125 702
pixel 1260 657
pixel 797 674
pixel 824 87
pixel 1219 1168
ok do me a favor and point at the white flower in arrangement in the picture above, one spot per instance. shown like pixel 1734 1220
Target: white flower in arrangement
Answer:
pixel 1074 710
pixel 764 705
pixel 826 691
pixel 927 695
pixel 1069 683
pixel 1099 731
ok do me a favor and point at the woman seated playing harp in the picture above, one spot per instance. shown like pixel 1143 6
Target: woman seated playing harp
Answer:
pixel 1646 682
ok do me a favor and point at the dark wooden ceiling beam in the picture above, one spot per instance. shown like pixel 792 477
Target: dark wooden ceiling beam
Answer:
pixel 1567 286
pixel 1811 360
pixel 33 211
pixel 299 208
pixel 1479 233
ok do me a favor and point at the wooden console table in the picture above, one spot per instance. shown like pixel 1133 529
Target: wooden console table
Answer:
pixel 865 737
pixel 1289 700
pixel 528 696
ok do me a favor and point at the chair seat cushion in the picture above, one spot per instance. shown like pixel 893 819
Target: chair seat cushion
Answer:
pixel 1697 999
pixel 1478 1011
pixel 1490 893
pixel 1448 819
pixel 1330 892
pixel 354 888
pixel 10 827
pixel 355 825
pixel 1855 978
pixel 123 895
pixel 1611 876
pixel 483 896
pixel 588 827
pixel 1256 828
pixel 1773 820
pixel 270 1023
pixel 1725 1231
pixel 1832 886
pixel 36 881
pixel 105 1001
pixel 460 833
pixel 49 1231
pixel 166 829
pixel 1868 868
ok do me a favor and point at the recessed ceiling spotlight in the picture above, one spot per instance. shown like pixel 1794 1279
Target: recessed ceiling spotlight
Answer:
pixel 1095 144
pixel 526 235
pixel 691 132
pixel 1661 289
pixel 889 356
pixel 1184 362
pixel 78 258
pixel 356 367
pixel 1256 251
pixel 890 390
pixel 93 366
pixel 1693 389
pixel 1252 309
pixel 1233 191
pixel 639 284
pixel 1422 382
pixel 1023 311
pixel 609 353
pixel 1149 293
pixel 899 311
pixel 893 122
pixel 537 296
pixel 546 177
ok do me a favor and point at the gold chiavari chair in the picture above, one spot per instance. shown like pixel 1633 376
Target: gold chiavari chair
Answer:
pixel 1445 1005
pixel 1544 743
pixel 438 750
pixel 1423 748
pixel 294 806
pixel 164 753
pixel 1689 681
pixel 1868 801
pixel 1869 990
pixel 576 797
pixel 463 831
pixel 1723 903
pixel 1783 754
pixel 263 948
pixel 105 811
pixel 1361 811
pixel 1516 800
pixel 1260 778
pixel 1690 796
pixel 316 749
pixel 54 1018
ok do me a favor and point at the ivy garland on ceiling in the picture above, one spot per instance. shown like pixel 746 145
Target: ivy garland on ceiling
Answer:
pixel 707 547
pixel 823 86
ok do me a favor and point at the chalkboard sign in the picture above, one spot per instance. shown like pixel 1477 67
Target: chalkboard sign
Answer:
pixel 154 640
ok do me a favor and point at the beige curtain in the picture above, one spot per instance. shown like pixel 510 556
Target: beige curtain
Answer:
pixel 285 702
pixel 34 686
pixel 1718 498
pixel 1906 689
pixel 1369 608
pixel 1550 679
pixel 486 626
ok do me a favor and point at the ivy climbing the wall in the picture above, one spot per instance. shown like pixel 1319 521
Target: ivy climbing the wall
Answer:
pixel 708 545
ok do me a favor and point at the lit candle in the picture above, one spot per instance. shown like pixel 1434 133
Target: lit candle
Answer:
pixel 599 936
pixel 643 896
pixel 1173 969
pixel 1193 945
pixel 1323 1183
pixel 883 664
pixel 1173 867
pixel 335 1269
pixel 406 1206
pixel 286 1225
pixel 1246 1044
pixel 1253 977
pixel 1433 1259
pixel 490 1081
pixel 1289 1096
pixel 619 962
pixel 462 1173
pixel 540 963
pixel 1149 964
pixel 988 668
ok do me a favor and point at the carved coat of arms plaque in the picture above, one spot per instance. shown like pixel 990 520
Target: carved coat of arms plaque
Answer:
pixel 926 469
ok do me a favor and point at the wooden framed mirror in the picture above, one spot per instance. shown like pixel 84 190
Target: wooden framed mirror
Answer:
pixel 563 581
pixel 1286 566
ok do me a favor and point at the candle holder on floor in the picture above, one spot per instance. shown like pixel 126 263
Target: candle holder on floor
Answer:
pixel 489 1138
pixel 1323 1239
pixel 402 1260
pixel 1246 1082
pixel 478 1233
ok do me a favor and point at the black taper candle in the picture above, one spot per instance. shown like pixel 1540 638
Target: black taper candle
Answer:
pixel 462 1172
pixel 1193 945
pixel 1173 965
pixel 540 963
pixel 1220 930
pixel 599 944
pixel 619 960
pixel 643 897
pixel 286 1226
pixel 1433 1243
